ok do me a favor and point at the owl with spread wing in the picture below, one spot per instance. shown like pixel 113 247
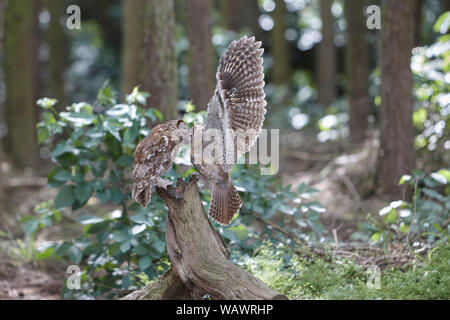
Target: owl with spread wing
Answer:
pixel 154 155
pixel 236 111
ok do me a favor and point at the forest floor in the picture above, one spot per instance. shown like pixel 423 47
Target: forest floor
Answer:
pixel 343 174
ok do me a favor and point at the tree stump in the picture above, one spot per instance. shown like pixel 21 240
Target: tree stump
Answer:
pixel 199 256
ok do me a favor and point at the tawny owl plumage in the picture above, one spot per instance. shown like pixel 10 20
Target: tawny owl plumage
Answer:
pixel 239 104
pixel 153 156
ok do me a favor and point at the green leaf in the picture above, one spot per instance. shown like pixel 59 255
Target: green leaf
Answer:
pixel 443 23
pixel 158 114
pixel 125 161
pixel 97 227
pixel 30 225
pixel 432 194
pixel 103 195
pixel 404 179
pixel 113 128
pixel 64 147
pixel 83 192
pixel 391 217
pixel 140 250
pixel 75 254
pixel 63 175
pixel 116 196
pixel 66 197
pixel 78 119
pixel 43 135
pixel 89 219
pixel 144 263
pixel 125 246
pixel 375 237
pixel 63 248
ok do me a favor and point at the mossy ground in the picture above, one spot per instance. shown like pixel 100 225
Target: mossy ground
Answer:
pixel 317 278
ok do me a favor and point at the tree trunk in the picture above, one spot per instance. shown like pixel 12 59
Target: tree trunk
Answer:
pixel 326 61
pixel 20 106
pixel 238 14
pixel 199 256
pixel 418 22
pixel 396 155
pixel 57 43
pixel 230 18
pixel 161 61
pixel 281 67
pixel 2 200
pixel 357 70
pixel 133 47
pixel 201 54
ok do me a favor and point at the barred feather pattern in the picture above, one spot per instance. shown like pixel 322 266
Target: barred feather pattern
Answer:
pixel 153 156
pixel 240 83
pixel 239 104
pixel 225 203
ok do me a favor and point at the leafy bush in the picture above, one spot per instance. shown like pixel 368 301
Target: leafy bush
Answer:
pixel 426 218
pixel 431 66
pixel 92 161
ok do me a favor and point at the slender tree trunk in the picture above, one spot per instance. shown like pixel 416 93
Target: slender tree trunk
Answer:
pixel 396 156
pixel 230 18
pixel 57 43
pixel 133 46
pixel 281 67
pixel 239 14
pixel 19 65
pixel 2 200
pixel 326 61
pixel 201 54
pixel 418 20
pixel 357 61
pixel 36 43
pixel 161 61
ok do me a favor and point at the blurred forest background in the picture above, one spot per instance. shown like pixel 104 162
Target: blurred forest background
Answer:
pixel 364 120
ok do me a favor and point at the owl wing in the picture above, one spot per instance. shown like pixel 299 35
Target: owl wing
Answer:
pixel 239 99
pixel 153 156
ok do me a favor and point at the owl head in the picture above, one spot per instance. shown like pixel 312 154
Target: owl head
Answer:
pixel 179 130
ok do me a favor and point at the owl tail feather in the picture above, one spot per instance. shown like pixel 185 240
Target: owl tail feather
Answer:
pixel 142 196
pixel 225 203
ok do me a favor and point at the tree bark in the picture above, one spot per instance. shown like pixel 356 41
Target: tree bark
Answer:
pixel 357 61
pixel 418 22
pixel 281 58
pixel 133 48
pixel 201 53
pixel 396 156
pixel 161 69
pixel 326 60
pixel 238 14
pixel 199 256
pixel 57 43
pixel 230 18
pixel 2 16
pixel 20 109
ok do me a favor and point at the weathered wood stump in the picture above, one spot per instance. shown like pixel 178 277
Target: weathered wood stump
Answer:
pixel 199 256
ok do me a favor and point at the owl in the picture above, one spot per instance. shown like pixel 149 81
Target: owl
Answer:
pixel 236 111
pixel 154 155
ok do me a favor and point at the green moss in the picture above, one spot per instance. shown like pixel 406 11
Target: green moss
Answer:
pixel 299 278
